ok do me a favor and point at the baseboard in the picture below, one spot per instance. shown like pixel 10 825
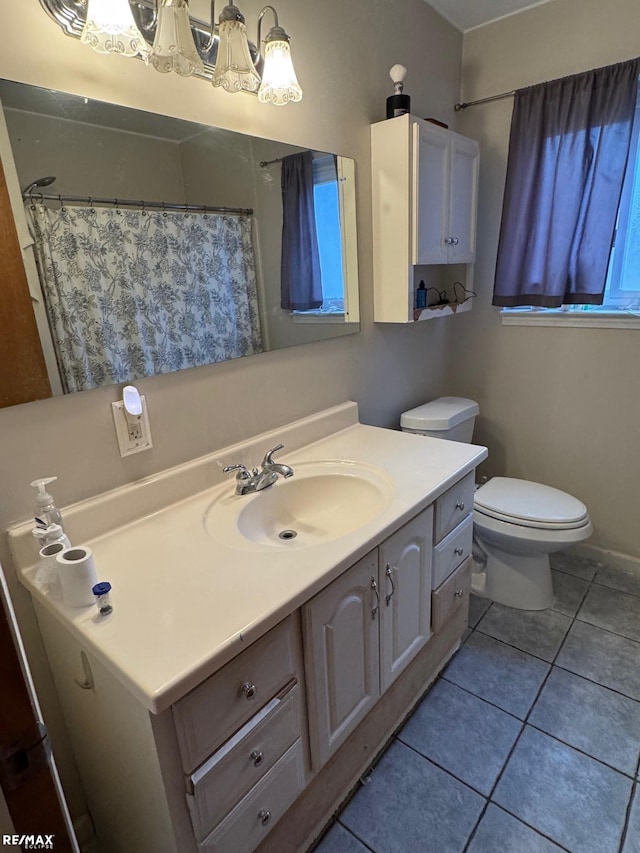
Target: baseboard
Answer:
pixel 625 562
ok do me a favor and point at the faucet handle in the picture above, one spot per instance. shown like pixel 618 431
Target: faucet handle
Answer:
pixel 243 472
pixel 268 456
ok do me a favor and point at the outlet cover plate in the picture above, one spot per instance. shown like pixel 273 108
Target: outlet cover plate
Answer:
pixel 128 446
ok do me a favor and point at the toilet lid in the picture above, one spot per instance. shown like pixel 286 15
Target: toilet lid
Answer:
pixel 529 504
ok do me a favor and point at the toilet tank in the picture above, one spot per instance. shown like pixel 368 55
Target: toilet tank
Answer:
pixel 447 417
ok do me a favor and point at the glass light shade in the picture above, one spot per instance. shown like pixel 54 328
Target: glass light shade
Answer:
pixel 110 28
pixel 235 70
pixel 173 45
pixel 279 83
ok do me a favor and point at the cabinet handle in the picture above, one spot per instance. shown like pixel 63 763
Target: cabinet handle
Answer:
pixel 458 593
pixel 458 551
pixel 390 595
pixel 265 816
pixel 257 757
pixel 460 505
pixel 249 690
pixel 374 587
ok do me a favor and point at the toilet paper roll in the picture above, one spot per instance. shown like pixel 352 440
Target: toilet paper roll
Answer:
pixel 77 571
pixel 47 575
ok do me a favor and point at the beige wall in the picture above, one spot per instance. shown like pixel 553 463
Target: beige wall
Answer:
pixel 558 405
pixel 343 53
pixel 91 160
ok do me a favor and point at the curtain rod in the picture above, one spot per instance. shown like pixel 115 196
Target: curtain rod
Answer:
pixel 465 104
pixel 264 163
pixel 129 202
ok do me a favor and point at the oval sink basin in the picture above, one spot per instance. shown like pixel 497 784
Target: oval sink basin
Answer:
pixel 323 501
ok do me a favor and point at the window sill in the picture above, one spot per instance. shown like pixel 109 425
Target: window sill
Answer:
pixel 318 317
pixel 575 319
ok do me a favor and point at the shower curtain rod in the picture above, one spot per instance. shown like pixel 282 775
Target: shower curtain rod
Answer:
pixel 145 205
pixel 465 104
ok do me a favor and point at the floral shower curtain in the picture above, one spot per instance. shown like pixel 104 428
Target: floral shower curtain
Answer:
pixel 131 293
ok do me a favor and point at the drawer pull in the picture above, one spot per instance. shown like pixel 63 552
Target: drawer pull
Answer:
pixel 249 690
pixel 458 593
pixel 257 757
pixel 265 816
pixel 390 595
pixel 458 551
pixel 374 587
pixel 460 505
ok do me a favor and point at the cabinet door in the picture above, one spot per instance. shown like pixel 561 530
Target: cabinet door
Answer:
pixel 463 200
pixel 341 656
pixel 431 194
pixel 405 581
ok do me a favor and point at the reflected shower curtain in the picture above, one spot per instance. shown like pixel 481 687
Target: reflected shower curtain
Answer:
pixel 132 293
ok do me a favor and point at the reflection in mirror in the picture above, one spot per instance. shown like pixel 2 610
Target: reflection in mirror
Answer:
pixel 153 244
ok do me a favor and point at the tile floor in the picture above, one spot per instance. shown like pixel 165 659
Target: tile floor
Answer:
pixel 528 742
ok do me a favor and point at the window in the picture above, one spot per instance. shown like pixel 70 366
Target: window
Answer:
pixel 329 234
pixel 621 305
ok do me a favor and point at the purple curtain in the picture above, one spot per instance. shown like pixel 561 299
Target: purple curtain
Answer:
pixel 301 281
pixel 568 153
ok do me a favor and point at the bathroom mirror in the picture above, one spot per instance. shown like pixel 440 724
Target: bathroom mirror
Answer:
pixel 153 244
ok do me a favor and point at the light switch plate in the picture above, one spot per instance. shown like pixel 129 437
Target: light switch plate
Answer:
pixel 132 438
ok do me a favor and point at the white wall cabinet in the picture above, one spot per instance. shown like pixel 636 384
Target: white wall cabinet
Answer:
pixel 362 630
pixel 425 188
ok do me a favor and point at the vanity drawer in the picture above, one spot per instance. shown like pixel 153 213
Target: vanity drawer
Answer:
pixel 243 761
pixel 248 824
pixel 453 506
pixel 211 713
pixel 450 595
pixel 453 549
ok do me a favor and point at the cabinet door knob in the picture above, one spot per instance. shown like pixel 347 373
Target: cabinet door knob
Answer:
pixel 257 756
pixel 455 241
pixel 458 593
pixel 459 551
pixel 265 816
pixel 460 505
pixel 249 690
pixel 448 240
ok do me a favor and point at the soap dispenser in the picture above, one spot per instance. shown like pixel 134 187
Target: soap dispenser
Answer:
pixel 46 512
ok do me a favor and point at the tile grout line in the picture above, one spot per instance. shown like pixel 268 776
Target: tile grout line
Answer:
pixel 522 729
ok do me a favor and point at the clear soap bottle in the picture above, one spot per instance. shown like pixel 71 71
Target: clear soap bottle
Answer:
pixel 45 512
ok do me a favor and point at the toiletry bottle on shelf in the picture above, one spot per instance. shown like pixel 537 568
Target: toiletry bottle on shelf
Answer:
pixel 45 512
pixel 421 296
pixel 398 104
pixel 51 535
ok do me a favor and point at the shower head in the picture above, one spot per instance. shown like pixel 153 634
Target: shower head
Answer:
pixel 41 182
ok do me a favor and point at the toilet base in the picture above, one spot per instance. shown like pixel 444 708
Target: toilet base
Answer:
pixel 515 580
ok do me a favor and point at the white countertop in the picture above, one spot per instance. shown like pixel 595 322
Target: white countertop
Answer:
pixel 185 604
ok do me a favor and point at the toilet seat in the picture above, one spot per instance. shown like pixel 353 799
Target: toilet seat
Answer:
pixel 531 505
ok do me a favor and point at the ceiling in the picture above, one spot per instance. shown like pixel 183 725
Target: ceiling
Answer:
pixel 467 14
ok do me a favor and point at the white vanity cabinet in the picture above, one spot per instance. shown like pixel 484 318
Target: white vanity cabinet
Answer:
pixel 362 630
pixel 425 191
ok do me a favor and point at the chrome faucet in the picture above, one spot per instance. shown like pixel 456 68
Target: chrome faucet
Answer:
pixel 258 479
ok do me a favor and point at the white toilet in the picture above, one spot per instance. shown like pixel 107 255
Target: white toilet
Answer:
pixel 516 523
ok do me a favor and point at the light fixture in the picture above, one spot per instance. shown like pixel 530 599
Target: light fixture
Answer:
pixel 219 52
pixel 173 46
pixel 110 28
pixel 234 70
pixel 279 83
